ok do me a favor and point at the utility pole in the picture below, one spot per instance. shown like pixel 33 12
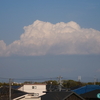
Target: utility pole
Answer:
pixel 60 83
pixel 10 82
pixel 95 80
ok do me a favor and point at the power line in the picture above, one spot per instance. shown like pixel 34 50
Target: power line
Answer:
pixel 35 79
pixel 28 78
pixel 3 78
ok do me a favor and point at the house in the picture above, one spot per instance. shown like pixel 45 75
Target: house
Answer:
pixel 92 95
pixel 16 94
pixel 37 89
pixel 4 93
pixel 86 89
pixel 28 96
pixel 61 96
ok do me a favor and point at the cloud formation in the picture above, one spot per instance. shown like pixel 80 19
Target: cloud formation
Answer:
pixel 41 38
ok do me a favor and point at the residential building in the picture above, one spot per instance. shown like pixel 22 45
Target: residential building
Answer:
pixel 16 94
pixel 86 89
pixel 37 89
pixel 61 96
pixel 92 95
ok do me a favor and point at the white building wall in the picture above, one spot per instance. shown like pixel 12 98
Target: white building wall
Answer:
pixel 27 97
pixel 34 88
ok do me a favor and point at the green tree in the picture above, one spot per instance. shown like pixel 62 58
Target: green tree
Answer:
pixel 53 82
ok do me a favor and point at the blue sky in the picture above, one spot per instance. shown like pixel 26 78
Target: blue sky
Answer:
pixel 54 37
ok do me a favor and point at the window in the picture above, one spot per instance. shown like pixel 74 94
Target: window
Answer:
pixel 34 87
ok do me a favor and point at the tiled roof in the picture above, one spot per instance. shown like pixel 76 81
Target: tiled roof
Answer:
pixel 15 87
pixel 58 95
pixel 86 89
pixel 4 93
pixel 91 94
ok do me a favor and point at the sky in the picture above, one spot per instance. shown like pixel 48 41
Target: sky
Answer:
pixel 50 38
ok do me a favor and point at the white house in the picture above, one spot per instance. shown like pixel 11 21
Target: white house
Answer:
pixel 36 89
pixel 27 97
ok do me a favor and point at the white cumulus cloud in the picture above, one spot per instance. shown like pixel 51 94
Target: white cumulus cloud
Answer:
pixel 41 38
pixel 2 48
